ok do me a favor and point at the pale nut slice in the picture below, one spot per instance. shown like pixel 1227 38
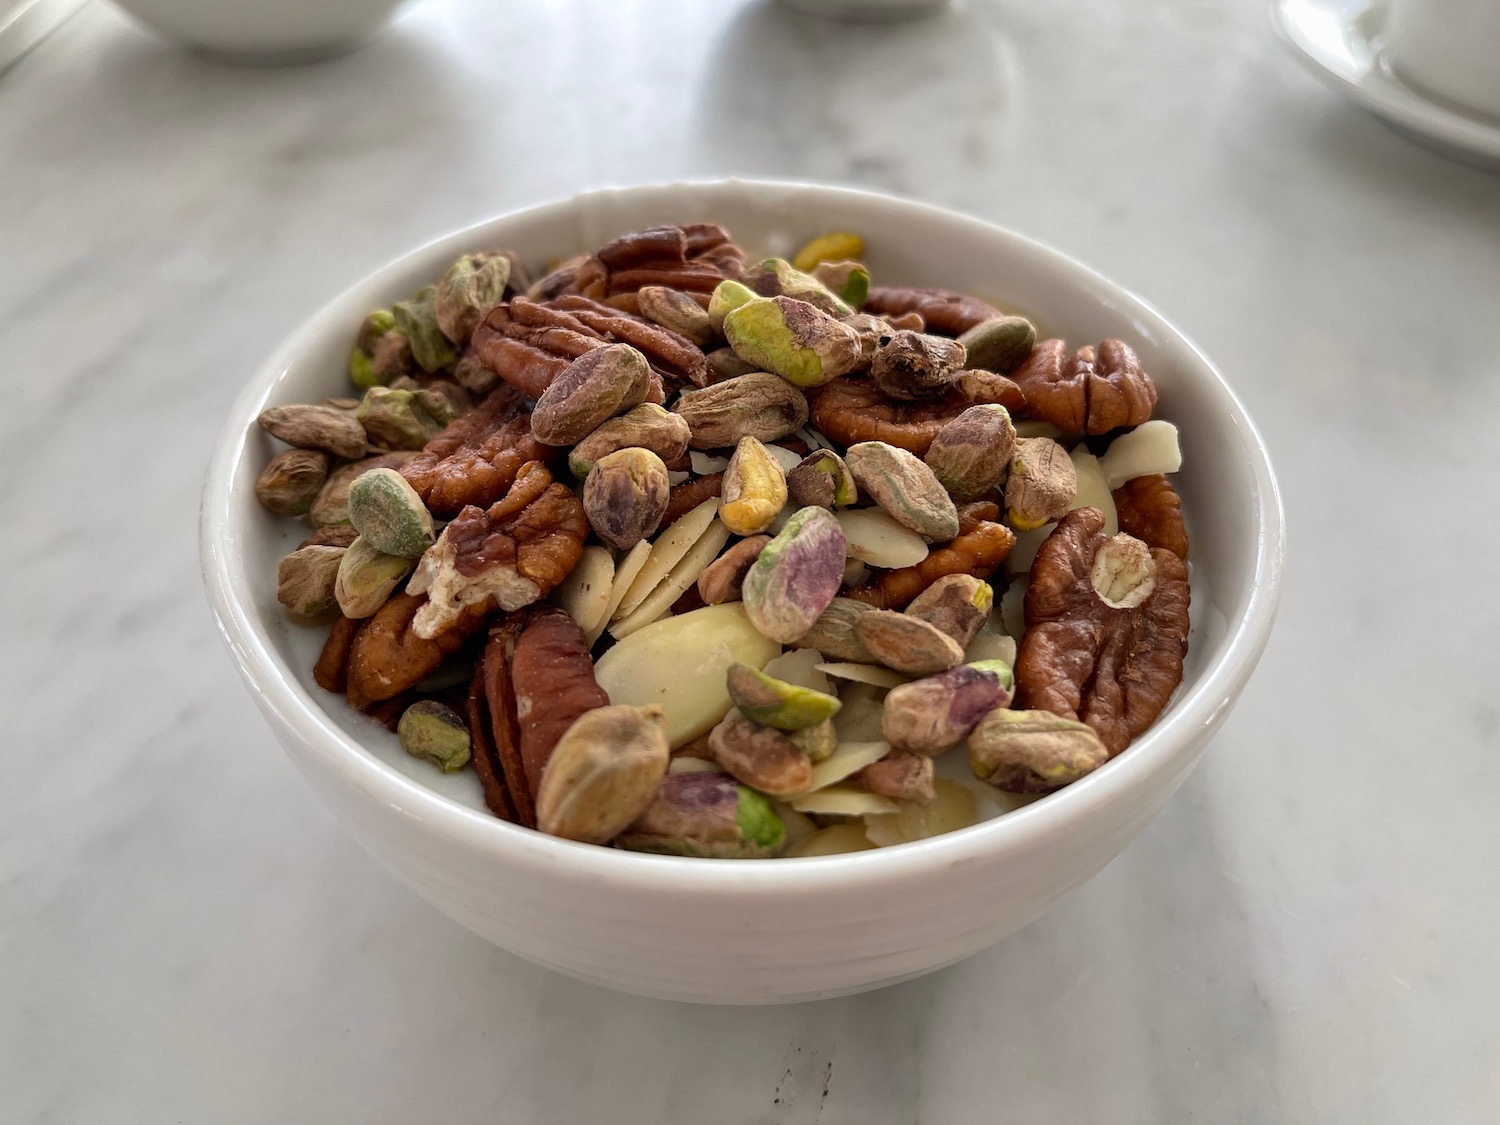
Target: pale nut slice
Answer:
pixel 1093 488
pixel 626 571
pixel 1152 447
pixel 840 839
pixel 666 553
pixel 847 760
pixel 681 576
pixel 843 800
pixel 585 592
pixel 875 538
pixel 872 674
pixel 908 644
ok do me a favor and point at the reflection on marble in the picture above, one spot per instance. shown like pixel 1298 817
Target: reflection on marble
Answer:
pixel 1303 935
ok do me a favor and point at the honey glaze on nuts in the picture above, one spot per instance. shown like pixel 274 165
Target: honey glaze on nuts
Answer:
pixel 675 503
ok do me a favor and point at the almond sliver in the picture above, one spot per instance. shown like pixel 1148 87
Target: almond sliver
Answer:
pixel 666 553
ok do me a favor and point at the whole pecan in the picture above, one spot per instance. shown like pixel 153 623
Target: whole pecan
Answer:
pixel 476 458
pixel 1149 509
pixel 509 556
pixel 980 548
pixel 942 310
pixel 388 656
pixel 1092 391
pixel 1106 629
pixel 553 678
pixel 331 672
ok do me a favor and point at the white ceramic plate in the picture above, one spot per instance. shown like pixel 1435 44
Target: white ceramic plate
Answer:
pixel 1339 41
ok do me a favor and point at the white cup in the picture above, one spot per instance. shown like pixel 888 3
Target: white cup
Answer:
pixel 1449 47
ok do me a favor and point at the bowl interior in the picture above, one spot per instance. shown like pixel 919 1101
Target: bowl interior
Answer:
pixel 1228 492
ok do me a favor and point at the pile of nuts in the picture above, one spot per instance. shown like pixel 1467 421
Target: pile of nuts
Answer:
pixel 689 555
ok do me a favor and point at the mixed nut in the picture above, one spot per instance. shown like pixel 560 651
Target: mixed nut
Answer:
pixel 688 555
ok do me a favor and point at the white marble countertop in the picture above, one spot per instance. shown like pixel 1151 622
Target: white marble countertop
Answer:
pixel 1307 933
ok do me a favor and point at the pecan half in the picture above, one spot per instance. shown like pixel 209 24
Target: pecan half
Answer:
pixel 1149 509
pixel 854 410
pixel 388 656
pixel 672 356
pixel 484 755
pixel 1106 629
pixel 1092 391
pixel 528 343
pixel 694 258
pixel 476 458
pixel 331 672
pixel 689 494
pixel 500 702
pixel 980 548
pixel 552 675
pixel 942 310
pixel 509 556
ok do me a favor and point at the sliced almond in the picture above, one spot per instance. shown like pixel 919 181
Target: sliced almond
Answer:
pixel 706 466
pixel 872 674
pixel 848 759
pixel 1093 489
pixel 1152 447
pixel 625 573
pixel 991 646
pixel 800 668
pixel 585 593
pixel 874 538
pixel 843 800
pixel 691 765
pixel 684 574
pixel 838 840
pixel 667 552
pixel 786 457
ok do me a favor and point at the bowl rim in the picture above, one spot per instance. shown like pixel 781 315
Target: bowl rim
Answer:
pixel 1169 740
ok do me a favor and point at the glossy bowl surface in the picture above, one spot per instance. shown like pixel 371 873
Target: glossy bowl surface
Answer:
pixel 265 31
pixel 755 931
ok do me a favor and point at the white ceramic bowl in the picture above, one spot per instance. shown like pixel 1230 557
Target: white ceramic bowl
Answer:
pixel 773 930
pixel 272 31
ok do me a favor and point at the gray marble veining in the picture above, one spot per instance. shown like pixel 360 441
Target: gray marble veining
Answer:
pixel 1305 934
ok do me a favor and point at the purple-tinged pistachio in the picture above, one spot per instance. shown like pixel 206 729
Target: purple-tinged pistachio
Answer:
pixel 591 390
pixel 776 703
pixel 647 426
pixel 776 277
pixel 416 319
pixel 626 496
pixel 723 579
pixel 934 714
pixel 958 604
pixel 762 757
pixel 905 488
pixel 821 480
pixel 793 339
pixel 709 815
pixel 971 454
pixel 999 344
pixel 758 405
pixel 796 575
pixel 1033 751
pixel 912 365
pixel 908 644
pixel 604 773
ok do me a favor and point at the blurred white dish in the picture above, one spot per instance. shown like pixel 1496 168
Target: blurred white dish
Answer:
pixel 265 31
pixel 868 11
pixel 1342 43
pixel 754 931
